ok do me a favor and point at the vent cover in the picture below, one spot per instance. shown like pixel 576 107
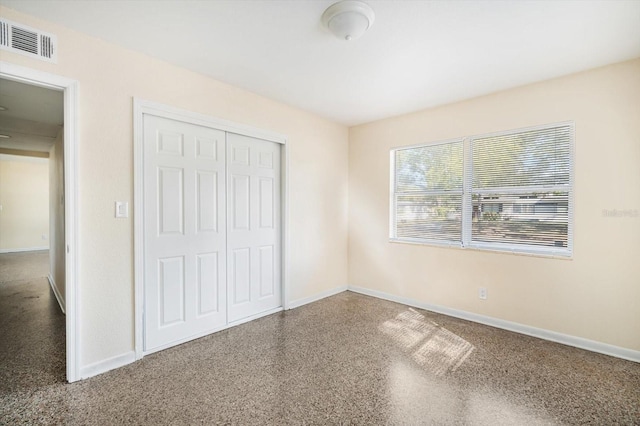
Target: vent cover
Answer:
pixel 28 41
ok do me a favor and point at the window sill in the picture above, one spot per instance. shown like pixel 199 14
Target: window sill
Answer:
pixel 486 249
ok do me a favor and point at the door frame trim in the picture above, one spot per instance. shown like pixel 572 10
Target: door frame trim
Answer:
pixel 142 107
pixel 69 87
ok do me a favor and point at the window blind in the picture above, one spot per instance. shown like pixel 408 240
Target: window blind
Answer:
pixel 505 191
pixel 520 188
pixel 428 192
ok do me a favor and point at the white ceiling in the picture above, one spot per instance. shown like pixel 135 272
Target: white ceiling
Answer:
pixel 32 118
pixel 34 103
pixel 418 54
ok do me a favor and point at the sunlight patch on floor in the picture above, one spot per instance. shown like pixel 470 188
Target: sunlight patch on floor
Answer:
pixel 429 344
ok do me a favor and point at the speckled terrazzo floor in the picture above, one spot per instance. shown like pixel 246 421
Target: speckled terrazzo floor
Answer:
pixel 347 359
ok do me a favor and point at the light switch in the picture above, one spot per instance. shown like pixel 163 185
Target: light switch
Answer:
pixel 122 209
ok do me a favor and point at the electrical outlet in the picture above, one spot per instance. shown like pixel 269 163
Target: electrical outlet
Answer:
pixel 44 236
pixel 482 293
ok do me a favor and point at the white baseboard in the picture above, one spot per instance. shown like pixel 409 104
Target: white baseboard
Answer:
pixel 565 339
pixel 107 365
pixel 578 342
pixel 56 292
pixel 19 250
pixel 316 297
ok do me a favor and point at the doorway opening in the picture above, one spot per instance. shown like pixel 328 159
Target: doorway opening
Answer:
pixel 38 121
pixel 32 232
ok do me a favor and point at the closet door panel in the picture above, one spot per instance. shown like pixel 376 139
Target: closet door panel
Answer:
pixel 254 237
pixel 184 232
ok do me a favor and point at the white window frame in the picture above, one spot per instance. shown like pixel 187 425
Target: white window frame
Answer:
pixel 392 218
pixel 466 237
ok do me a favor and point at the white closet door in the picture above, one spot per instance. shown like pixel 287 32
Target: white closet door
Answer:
pixel 185 231
pixel 253 234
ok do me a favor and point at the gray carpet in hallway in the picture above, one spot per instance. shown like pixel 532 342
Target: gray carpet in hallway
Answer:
pixel 347 359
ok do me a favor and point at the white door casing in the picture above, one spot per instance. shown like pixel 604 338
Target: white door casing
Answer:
pixel 253 231
pixel 185 231
pixel 71 228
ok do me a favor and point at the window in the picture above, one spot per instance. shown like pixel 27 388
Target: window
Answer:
pixel 428 192
pixel 508 191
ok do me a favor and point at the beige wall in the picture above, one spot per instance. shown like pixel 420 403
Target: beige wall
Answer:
pixel 109 77
pixel 596 294
pixel 593 296
pixel 24 196
pixel 56 215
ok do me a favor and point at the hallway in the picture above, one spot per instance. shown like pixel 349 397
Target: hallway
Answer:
pixel 32 326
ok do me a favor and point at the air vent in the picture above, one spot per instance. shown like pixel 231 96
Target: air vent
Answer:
pixel 28 41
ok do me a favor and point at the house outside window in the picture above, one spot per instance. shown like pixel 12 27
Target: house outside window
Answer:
pixel 509 191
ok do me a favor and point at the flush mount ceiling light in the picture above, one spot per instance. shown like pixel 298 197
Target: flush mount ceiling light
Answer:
pixel 348 19
pixel 4 136
pixel 3 108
